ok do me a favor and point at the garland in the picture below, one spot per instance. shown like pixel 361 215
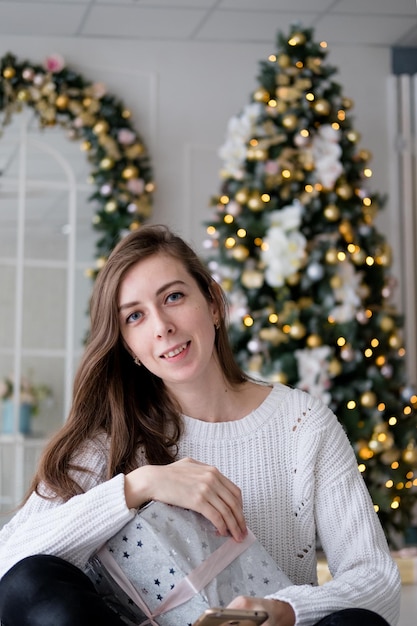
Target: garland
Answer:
pixel 121 171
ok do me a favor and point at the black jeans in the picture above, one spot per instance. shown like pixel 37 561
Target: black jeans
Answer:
pixel 48 591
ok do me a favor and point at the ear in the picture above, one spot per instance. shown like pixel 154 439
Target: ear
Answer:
pixel 217 301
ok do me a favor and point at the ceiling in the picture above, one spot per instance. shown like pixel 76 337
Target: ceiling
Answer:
pixel 339 22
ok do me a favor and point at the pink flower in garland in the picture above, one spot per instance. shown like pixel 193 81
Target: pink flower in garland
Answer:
pixel 54 63
pixel 126 137
pixel 136 185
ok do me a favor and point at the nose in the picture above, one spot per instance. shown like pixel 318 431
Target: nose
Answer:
pixel 163 325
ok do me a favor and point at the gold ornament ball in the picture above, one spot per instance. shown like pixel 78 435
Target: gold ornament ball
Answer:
pixel 336 282
pixel 134 151
pixel 376 445
pixel 242 196
pixel 62 102
pixel 322 107
pixel 284 60
pixel 252 279
pixel 293 279
pixel 331 256
pixel 106 163
pixel 297 330
pixel 9 72
pixel 279 377
pixel 332 212
pixel 255 363
pixel 255 202
pixel 130 172
pixel 290 121
pixel 227 284
pixel 344 191
pixel 85 146
pixel 347 103
pixel 111 206
pixel 358 257
pixel 101 127
pixel 386 323
pixel 314 341
pixel 272 334
pixel 395 341
pixel 353 136
pixel 410 454
pixel 365 155
pixel 335 367
pixel 368 399
pixel 23 95
pixel 240 253
pixel 261 95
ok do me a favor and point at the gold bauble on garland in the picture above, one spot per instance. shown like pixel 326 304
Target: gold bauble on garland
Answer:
pixel 331 212
pixel 101 122
pixel 322 107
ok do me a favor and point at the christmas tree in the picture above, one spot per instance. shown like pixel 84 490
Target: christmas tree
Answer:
pixel 293 242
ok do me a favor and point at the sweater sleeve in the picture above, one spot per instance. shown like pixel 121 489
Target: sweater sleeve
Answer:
pixel 364 574
pixel 74 529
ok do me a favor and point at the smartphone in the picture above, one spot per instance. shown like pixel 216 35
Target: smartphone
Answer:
pixel 231 617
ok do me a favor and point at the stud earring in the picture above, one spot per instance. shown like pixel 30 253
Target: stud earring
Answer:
pixel 137 362
pixel 217 324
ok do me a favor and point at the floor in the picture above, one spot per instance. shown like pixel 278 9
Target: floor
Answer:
pixel 408 615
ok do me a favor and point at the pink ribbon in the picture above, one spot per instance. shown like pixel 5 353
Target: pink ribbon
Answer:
pixel 188 586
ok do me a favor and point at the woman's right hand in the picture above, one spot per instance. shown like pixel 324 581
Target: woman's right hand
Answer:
pixel 192 485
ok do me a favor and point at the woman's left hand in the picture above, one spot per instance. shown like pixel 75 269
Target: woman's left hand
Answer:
pixel 279 613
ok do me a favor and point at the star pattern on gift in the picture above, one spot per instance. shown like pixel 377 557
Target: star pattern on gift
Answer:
pixel 165 553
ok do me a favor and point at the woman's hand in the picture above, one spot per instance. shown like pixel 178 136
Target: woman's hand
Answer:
pixel 191 485
pixel 279 613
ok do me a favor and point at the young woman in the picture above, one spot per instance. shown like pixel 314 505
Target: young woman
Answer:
pixel 162 412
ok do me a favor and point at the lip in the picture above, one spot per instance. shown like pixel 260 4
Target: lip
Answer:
pixel 175 351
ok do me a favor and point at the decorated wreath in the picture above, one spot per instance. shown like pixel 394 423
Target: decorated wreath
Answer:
pixel 121 170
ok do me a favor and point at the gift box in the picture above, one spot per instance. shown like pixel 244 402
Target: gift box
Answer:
pixel 169 564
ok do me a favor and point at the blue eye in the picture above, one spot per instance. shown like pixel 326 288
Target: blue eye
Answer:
pixel 174 297
pixel 133 317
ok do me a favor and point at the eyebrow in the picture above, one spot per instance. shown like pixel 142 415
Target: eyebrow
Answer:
pixel 158 292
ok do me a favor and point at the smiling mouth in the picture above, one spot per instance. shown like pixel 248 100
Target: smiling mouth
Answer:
pixel 176 352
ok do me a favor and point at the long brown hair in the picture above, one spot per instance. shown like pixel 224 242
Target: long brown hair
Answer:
pixel 110 392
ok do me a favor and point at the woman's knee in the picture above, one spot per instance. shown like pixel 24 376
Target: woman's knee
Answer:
pixel 41 590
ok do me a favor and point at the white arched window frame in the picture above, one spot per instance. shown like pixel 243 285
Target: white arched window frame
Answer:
pixel 18 453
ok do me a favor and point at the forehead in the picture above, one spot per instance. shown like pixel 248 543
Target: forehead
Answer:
pixel 150 274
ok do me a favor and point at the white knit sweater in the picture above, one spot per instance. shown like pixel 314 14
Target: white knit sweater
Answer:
pixel 298 476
